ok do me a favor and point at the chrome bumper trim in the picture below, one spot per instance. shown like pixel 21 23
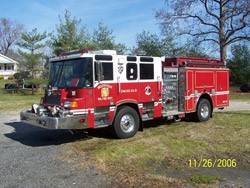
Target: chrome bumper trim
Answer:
pixel 71 122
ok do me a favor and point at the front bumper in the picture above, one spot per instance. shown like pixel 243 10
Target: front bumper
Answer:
pixel 71 122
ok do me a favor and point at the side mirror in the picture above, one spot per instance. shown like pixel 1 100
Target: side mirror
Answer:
pixel 99 71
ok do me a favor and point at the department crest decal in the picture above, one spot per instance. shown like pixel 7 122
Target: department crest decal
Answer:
pixel 120 69
pixel 105 92
pixel 147 90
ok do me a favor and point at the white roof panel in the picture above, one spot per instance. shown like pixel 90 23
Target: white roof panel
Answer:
pixel 6 60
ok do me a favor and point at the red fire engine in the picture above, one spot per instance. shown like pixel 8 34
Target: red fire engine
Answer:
pixel 94 89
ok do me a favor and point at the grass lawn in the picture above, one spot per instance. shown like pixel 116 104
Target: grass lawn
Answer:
pixel 150 156
pixel 3 82
pixel 237 95
pixel 17 101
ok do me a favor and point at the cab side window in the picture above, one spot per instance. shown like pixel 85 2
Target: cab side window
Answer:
pixel 107 71
pixel 146 71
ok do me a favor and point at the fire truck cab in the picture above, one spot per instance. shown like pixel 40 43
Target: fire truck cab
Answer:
pixel 94 89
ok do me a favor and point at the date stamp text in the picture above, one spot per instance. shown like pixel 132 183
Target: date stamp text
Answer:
pixel 212 163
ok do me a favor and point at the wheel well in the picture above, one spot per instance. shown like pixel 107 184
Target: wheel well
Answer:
pixel 208 97
pixel 132 105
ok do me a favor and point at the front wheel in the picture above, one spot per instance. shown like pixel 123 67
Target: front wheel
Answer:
pixel 203 110
pixel 126 123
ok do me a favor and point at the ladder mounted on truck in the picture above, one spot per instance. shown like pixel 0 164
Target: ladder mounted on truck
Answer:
pixel 194 62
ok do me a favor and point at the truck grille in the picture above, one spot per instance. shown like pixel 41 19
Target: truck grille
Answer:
pixel 52 99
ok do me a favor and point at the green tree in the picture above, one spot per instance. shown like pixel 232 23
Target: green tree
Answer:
pixel 103 38
pixel 239 64
pixel 31 43
pixel 150 44
pixel 120 48
pixel 165 45
pixel 70 35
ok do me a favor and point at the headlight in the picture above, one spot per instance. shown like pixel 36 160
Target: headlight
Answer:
pixel 70 104
pixel 66 104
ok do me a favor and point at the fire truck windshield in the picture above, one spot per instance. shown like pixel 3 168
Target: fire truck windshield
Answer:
pixel 71 73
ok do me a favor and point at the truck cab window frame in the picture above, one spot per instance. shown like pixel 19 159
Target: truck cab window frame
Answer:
pixel 131 73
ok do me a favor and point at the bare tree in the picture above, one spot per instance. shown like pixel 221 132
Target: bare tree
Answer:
pixel 221 22
pixel 10 32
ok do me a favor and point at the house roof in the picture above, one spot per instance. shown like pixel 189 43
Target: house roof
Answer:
pixel 6 60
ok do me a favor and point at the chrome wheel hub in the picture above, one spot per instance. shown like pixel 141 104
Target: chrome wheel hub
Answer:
pixel 204 111
pixel 127 123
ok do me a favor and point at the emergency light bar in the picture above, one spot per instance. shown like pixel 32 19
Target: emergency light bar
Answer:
pixel 83 50
pixel 89 50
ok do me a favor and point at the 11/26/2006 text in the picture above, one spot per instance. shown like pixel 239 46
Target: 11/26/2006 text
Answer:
pixel 212 163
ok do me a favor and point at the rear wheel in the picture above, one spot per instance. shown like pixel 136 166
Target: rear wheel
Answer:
pixel 126 123
pixel 203 110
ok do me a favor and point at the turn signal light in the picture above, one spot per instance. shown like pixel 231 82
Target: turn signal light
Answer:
pixel 73 104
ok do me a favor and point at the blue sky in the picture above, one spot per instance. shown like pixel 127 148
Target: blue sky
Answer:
pixel 126 18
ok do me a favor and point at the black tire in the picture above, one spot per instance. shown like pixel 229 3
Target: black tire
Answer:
pixel 126 123
pixel 204 111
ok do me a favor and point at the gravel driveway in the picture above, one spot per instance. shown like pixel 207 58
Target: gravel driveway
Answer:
pixel 238 106
pixel 30 156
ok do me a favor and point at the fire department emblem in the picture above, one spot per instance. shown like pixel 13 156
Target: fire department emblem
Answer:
pixel 105 92
pixel 147 90
pixel 120 69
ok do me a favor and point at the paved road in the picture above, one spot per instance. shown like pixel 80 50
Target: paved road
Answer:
pixel 30 157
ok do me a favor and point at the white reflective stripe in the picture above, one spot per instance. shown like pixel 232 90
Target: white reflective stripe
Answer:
pixel 189 97
pixel 156 103
pixel 140 105
pixel 82 111
pixel 79 113
pixel 222 93
pixel 112 108
pixel 216 93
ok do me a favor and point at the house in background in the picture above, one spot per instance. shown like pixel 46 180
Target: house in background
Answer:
pixel 8 67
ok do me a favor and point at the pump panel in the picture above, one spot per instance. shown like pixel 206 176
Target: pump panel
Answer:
pixel 170 89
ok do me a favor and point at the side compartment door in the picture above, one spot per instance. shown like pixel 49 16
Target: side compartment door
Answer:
pixel 189 97
pixel 222 88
